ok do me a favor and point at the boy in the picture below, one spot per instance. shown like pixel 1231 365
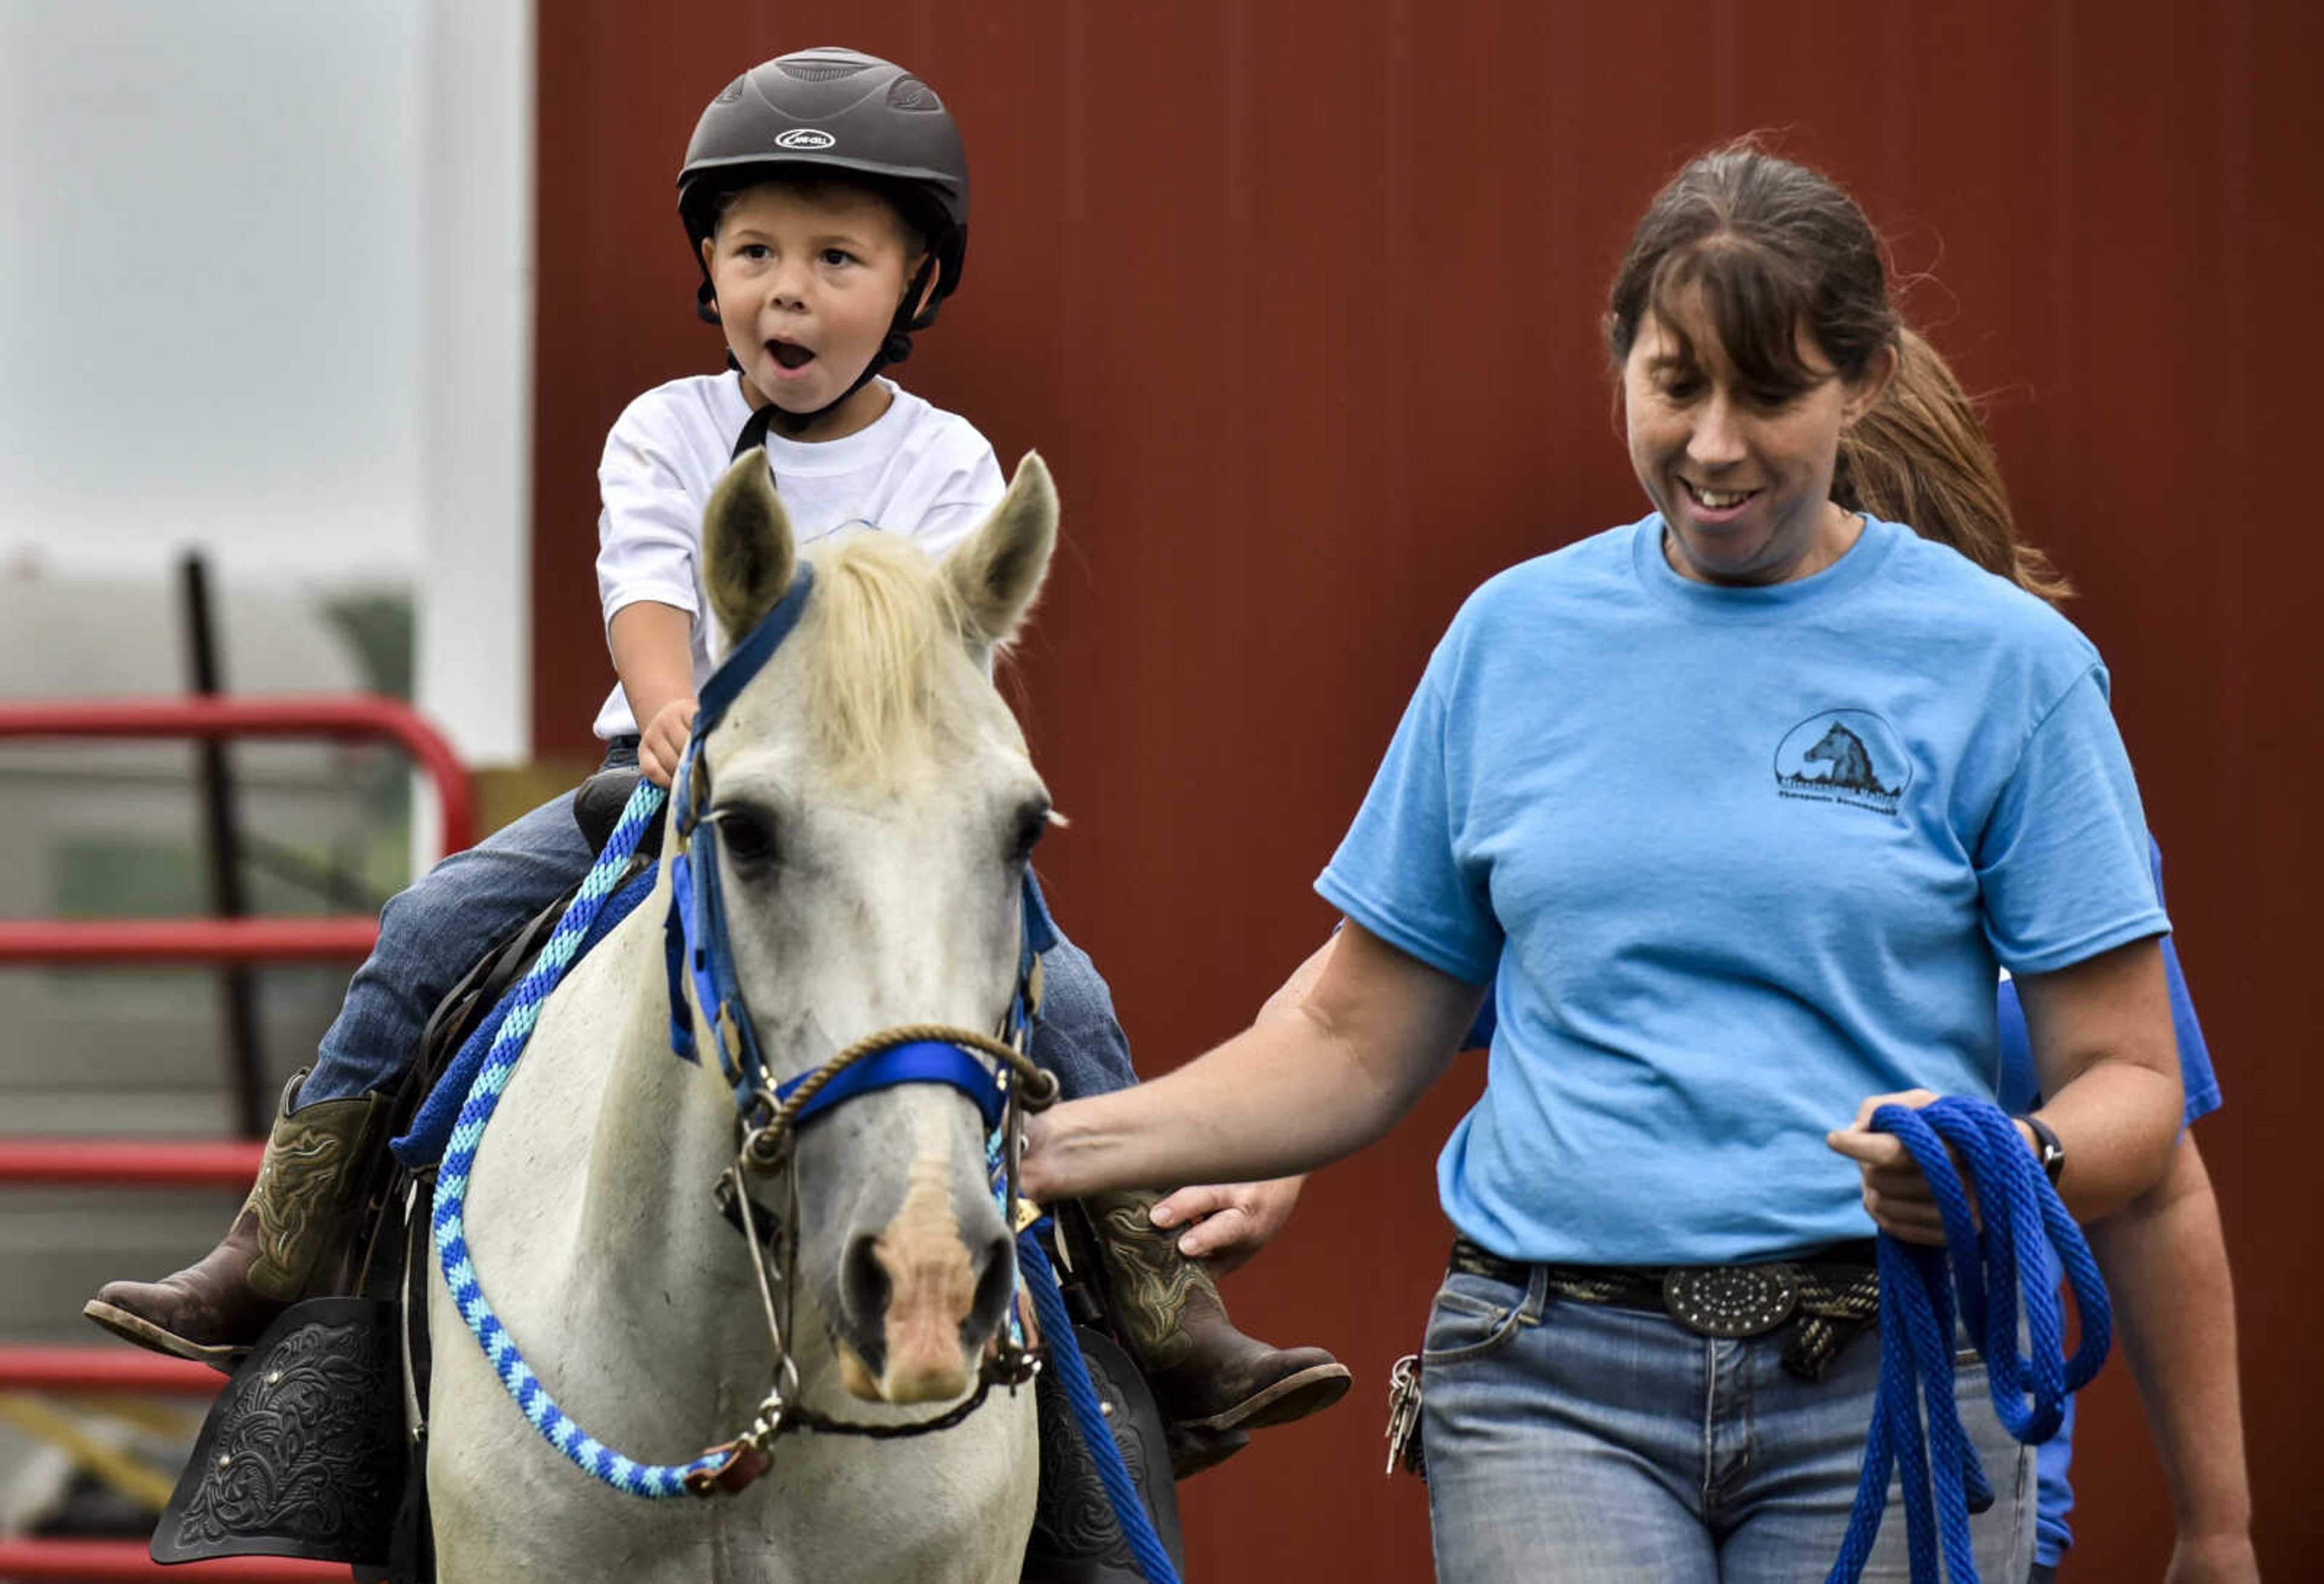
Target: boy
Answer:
pixel 825 196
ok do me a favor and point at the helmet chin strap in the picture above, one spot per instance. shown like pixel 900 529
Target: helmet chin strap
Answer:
pixel 894 348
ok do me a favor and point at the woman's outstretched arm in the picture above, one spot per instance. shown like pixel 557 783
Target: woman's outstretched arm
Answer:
pixel 1319 1080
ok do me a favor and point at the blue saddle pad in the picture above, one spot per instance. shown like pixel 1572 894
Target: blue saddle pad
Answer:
pixel 431 1129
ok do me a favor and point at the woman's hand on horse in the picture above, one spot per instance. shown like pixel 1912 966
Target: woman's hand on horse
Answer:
pixel 663 742
pixel 1896 1194
pixel 1228 1223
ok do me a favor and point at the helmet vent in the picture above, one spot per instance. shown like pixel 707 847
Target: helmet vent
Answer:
pixel 733 90
pixel 821 70
pixel 910 93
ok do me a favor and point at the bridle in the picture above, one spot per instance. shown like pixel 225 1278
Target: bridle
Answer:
pixel 995 1071
pixel 768 1115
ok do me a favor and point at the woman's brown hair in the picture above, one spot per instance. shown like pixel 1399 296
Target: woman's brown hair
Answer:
pixel 1774 248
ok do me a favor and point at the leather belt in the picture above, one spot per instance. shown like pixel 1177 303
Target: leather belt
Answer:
pixel 1823 1300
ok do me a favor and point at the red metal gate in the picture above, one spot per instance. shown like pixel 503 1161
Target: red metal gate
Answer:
pixel 193 1162
pixel 130 1164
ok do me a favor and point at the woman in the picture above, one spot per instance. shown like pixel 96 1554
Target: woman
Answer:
pixel 1734 809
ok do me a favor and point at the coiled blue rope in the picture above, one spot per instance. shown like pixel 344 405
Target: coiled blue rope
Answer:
pixel 1985 1272
pixel 1081 1394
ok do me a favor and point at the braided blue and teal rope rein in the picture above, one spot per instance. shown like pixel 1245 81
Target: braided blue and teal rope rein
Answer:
pixel 585 1452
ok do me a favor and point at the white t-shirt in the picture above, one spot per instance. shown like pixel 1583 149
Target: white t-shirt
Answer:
pixel 917 471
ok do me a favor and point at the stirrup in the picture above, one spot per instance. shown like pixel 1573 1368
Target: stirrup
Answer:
pixel 304 1453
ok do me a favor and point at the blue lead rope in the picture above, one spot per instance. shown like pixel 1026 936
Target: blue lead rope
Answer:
pixel 1089 1415
pixel 1984 1271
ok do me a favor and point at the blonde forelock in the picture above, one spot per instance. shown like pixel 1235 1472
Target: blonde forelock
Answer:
pixel 881 628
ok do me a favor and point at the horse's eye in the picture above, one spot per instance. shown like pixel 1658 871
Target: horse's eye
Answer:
pixel 746 835
pixel 1032 820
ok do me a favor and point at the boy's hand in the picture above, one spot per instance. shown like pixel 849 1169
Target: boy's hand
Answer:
pixel 663 742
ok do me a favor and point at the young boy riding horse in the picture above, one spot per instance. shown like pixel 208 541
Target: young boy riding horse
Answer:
pixel 825 196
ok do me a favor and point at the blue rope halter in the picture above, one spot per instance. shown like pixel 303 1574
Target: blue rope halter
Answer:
pixel 1985 1271
pixel 697 935
pixel 697 953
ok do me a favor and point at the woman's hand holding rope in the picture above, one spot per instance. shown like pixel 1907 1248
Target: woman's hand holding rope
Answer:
pixel 1896 1196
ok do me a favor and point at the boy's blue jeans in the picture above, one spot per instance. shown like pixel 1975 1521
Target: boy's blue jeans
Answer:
pixel 1583 1442
pixel 432 933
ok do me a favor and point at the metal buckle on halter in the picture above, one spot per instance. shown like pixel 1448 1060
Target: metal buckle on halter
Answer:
pixel 769 1425
pixel 732 1467
pixel 765 1148
pixel 1730 1302
pixel 754 1220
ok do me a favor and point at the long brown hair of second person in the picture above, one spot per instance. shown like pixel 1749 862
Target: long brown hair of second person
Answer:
pixel 1920 458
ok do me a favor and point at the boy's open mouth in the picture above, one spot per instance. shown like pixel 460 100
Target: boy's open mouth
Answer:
pixel 790 354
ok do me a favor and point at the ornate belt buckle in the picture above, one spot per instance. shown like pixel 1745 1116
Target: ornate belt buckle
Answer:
pixel 1731 1301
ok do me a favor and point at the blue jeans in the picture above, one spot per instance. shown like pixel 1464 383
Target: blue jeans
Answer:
pixel 434 933
pixel 1583 1442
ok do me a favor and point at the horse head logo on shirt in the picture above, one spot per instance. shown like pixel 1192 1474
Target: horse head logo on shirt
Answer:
pixel 1844 756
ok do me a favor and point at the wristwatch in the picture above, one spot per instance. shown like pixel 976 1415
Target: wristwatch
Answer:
pixel 2046 1141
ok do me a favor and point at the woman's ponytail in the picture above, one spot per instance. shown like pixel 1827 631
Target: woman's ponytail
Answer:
pixel 1920 458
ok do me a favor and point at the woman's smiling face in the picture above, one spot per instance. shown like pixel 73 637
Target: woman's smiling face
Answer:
pixel 1742 476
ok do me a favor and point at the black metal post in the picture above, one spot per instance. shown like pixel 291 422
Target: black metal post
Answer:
pixel 222 846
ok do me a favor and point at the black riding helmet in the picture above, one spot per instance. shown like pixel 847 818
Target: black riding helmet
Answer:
pixel 844 113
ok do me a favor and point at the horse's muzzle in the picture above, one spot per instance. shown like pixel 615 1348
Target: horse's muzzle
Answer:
pixel 921 1301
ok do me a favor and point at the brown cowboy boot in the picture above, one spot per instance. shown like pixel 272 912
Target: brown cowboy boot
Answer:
pixel 285 1241
pixel 1213 1384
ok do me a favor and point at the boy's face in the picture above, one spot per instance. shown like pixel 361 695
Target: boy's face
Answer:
pixel 807 280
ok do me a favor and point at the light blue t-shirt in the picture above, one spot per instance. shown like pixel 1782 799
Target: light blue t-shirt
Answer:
pixel 1735 858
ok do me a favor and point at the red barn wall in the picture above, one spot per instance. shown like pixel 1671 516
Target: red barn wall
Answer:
pixel 1300 301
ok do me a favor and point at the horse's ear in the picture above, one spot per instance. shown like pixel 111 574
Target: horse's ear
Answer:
pixel 998 569
pixel 748 551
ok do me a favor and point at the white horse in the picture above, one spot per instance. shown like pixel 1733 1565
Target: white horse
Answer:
pixel 877 806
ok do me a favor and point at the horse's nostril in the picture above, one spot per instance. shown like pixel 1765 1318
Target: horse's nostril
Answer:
pixel 996 1288
pixel 863 1282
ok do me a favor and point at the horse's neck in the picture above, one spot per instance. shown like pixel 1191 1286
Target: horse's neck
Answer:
pixel 647 1132
pixel 648 1227
pixel 591 1202
pixel 659 1139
